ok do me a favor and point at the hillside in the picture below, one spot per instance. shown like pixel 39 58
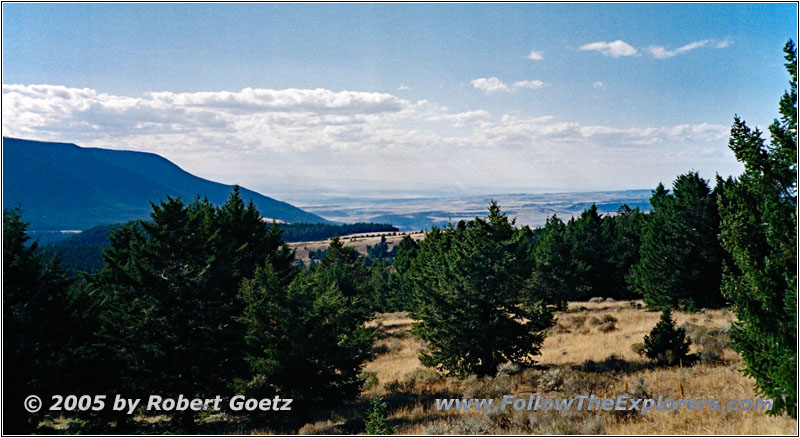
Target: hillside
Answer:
pixel 63 186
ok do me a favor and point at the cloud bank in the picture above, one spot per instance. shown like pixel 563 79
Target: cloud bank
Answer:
pixel 260 137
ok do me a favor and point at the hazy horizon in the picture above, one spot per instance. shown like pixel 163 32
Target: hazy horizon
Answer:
pixel 304 99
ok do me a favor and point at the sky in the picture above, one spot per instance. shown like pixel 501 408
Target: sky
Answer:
pixel 353 98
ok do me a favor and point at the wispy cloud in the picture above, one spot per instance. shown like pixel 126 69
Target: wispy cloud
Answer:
pixel 660 52
pixel 535 55
pixel 533 85
pixel 403 88
pixel 494 85
pixel 599 84
pixel 614 49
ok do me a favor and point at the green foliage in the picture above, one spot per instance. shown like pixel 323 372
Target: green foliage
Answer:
pixel 38 325
pixel 558 276
pixel 667 344
pixel 588 257
pixel 623 235
pixel 376 418
pixel 759 229
pixel 399 289
pixel 469 281
pixel 170 295
pixel 380 252
pixel 590 248
pixel 680 257
pixel 306 340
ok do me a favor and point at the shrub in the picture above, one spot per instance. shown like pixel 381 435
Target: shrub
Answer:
pixel 607 327
pixel 376 418
pixel 487 388
pixel 596 300
pixel 577 320
pixel 508 369
pixel 552 379
pixel 667 344
pixel 608 318
pixel 587 382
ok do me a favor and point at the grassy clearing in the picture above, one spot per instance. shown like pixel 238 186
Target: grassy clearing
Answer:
pixel 582 354
pixel 591 349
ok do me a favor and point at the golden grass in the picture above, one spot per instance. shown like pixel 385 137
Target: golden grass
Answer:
pixel 410 389
pixel 357 241
pixel 575 347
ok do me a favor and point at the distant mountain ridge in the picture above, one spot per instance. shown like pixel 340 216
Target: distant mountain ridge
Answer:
pixel 63 186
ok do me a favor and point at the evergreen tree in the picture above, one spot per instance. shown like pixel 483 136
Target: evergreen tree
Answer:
pixel 680 257
pixel 306 341
pixel 376 418
pixel 163 311
pixel 343 268
pixel 759 229
pixel 37 324
pixel 623 233
pixel 399 285
pixel 667 344
pixel 557 276
pixel 469 281
pixel 591 249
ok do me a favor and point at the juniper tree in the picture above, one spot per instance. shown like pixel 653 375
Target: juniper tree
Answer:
pixel 667 344
pixel 759 229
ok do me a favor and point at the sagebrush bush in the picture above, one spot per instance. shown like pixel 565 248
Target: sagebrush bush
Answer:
pixel 552 379
pixel 508 369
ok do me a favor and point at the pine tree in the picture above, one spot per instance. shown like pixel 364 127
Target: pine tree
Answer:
pixel 306 341
pixel 667 344
pixel 469 283
pixel 680 261
pixel 623 233
pixel 557 277
pixel 399 286
pixel 591 250
pixel 37 326
pixel 759 229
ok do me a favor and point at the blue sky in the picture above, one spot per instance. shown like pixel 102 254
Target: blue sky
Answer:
pixel 468 97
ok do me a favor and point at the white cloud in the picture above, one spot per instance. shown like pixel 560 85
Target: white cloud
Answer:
pixel 599 84
pixel 403 88
pixel 494 85
pixel 614 49
pixel 528 84
pixel 490 85
pixel 258 136
pixel 660 52
pixel 536 56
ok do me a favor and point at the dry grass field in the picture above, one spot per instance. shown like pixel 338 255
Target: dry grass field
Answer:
pixel 589 350
pixel 357 241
